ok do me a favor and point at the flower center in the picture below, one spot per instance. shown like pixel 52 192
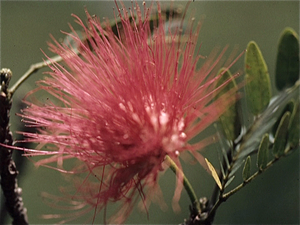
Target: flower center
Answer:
pixel 158 127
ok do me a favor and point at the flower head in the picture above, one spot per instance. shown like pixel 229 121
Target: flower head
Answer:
pixel 131 97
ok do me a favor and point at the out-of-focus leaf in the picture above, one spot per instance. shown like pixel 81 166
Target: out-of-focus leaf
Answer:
pixel 229 119
pixel 229 181
pixel 287 63
pixel 170 18
pixel 174 13
pixel 224 163
pixel 246 170
pixel 263 152
pixel 236 166
pixel 225 156
pixel 258 88
pixel 281 135
pixel 294 127
pixel 214 173
pixel 72 40
pixel 222 150
pixel 222 169
pixel 263 124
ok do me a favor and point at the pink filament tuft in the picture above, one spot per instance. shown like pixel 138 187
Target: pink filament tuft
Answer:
pixel 122 105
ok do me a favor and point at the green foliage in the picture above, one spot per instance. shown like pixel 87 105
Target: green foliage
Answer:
pixel 263 153
pixel 288 108
pixel 275 126
pixel 281 135
pixel 294 127
pixel 287 62
pixel 229 120
pixel 258 87
pixel 247 168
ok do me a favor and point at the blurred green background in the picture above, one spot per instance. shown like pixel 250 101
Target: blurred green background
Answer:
pixel 272 198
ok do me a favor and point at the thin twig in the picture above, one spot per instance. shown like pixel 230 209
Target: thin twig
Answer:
pixel 175 12
pixel 188 187
pixel 237 188
pixel 217 192
pixel 32 69
pixel 223 197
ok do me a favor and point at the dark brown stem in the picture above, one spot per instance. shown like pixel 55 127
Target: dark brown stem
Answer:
pixel 11 191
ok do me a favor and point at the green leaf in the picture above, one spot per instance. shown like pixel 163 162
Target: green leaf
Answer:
pixel 258 87
pixel 263 152
pixel 288 108
pixel 225 156
pixel 235 167
pixel 229 119
pixel 214 173
pixel 287 63
pixel 229 181
pixel 294 127
pixel 246 170
pixel 222 169
pixel 281 135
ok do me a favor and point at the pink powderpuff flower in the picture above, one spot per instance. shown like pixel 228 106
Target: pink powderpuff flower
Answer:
pixel 121 105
